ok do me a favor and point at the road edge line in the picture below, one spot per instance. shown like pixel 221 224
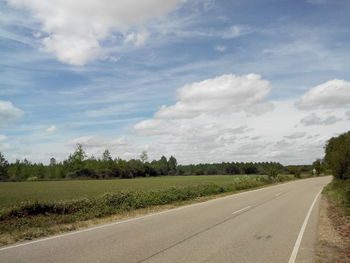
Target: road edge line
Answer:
pixel 295 251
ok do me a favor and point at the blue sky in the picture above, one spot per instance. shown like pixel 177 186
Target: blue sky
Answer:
pixel 205 81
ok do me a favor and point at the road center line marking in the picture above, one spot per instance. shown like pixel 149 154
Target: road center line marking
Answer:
pixel 295 251
pixel 240 210
pixel 278 194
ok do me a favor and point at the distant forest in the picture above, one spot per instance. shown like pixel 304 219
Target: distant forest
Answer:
pixel 79 166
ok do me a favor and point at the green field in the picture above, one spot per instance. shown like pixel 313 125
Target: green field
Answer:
pixel 12 193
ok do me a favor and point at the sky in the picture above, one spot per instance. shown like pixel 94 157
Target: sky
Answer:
pixel 203 80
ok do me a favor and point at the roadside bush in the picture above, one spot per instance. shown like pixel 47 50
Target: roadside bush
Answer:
pixel 338 156
pixel 46 208
pixel 340 191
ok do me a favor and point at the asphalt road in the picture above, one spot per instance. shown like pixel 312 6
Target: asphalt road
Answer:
pixel 264 225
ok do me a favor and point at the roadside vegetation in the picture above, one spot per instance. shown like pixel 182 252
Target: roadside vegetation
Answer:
pixel 338 159
pixel 37 200
pixel 335 247
pixel 38 216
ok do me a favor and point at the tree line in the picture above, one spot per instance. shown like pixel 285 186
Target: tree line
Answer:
pixel 79 165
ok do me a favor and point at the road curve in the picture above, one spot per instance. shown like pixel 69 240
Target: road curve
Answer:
pixel 263 225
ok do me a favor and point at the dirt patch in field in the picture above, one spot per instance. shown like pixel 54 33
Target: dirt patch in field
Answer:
pixel 333 244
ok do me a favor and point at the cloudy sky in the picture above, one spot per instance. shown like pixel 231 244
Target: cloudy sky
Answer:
pixel 203 80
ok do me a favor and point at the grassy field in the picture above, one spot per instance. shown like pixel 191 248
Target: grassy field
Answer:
pixel 12 193
pixel 30 210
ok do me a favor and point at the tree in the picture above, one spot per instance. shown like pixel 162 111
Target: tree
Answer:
pixel 172 164
pixel 162 166
pixel 317 166
pixel 75 160
pixel 144 157
pixel 3 166
pixel 107 161
pixel 53 162
pixel 272 171
pixel 106 156
pixel 79 154
pixel 232 168
pixel 211 170
pixel 296 171
pixel 338 155
pixel 250 168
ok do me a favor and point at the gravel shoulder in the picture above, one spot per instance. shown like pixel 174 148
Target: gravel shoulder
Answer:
pixel 333 244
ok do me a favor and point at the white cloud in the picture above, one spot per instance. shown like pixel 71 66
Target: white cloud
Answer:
pixel 311 119
pixel 51 129
pixel 329 95
pixel 98 141
pixel 348 114
pixel 8 112
pixel 331 120
pixel 233 32
pixel 75 50
pixel 109 111
pixel 37 34
pixel 221 95
pixel 220 48
pixel 295 48
pixel 314 119
pixel 138 39
pixel 203 127
pixel 295 135
pixel 4 146
pixel 234 137
pixel 76 28
pixel 208 4
pixel 173 29
pixel 2 138
pixel 114 58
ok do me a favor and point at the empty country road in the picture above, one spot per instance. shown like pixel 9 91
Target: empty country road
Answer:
pixel 271 224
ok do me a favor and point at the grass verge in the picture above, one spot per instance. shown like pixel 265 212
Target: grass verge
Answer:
pixel 35 219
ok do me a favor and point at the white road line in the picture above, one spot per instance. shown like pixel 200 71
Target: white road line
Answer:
pixel 240 210
pixel 278 194
pixel 295 251
pixel 145 216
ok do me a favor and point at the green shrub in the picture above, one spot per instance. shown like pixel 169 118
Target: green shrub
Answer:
pixel 339 191
pixel 338 155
